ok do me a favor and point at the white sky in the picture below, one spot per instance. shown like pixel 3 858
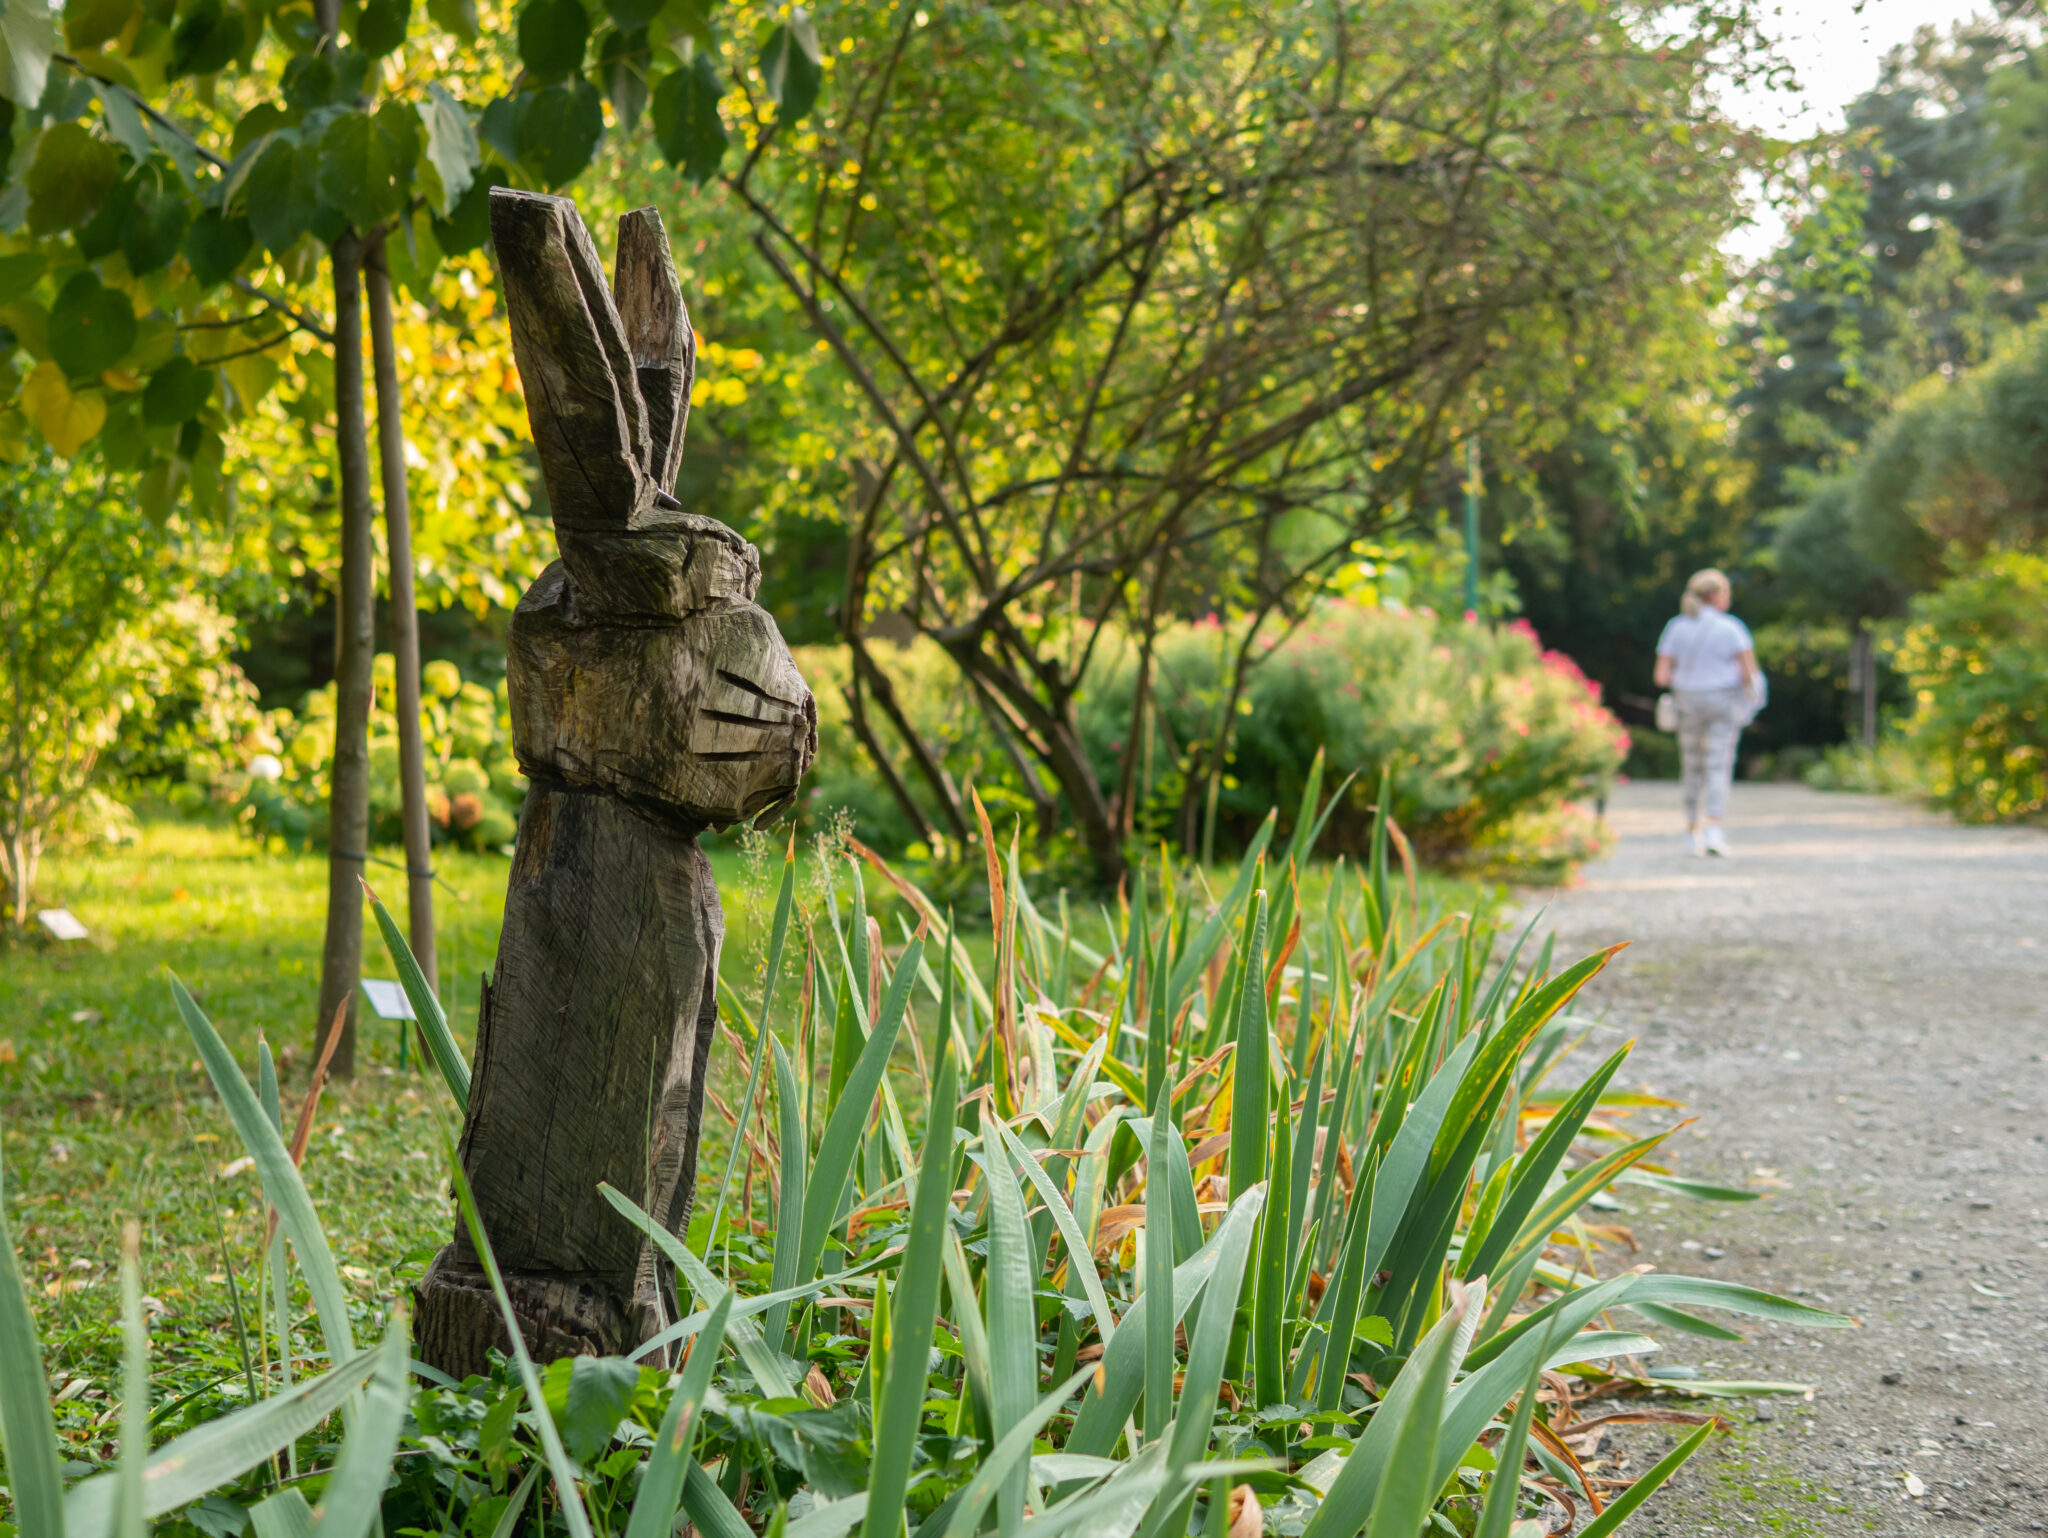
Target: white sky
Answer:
pixel 1835 46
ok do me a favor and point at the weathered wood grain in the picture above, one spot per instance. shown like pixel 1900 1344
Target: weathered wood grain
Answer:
pixel 657 325
pixel 589 423
pixel 651 698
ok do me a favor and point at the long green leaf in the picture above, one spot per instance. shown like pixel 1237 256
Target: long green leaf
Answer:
pixel 1504 1490
pixel 840 1145
pixel 28 1428
pixel 789 1221
pixel 966 1316
pixel 1408 1488
pixel 1678 1319
pixel 1711 1292
pixel 1012 1450
pixel 1100 1420
pixel 508 1522
pixel 1699 1190
pixel 354 1496
pixel 1353 1496
pixel 1481 1086
pixel 1503 1362
pixel 1209 1342
pixel 282 1186
pixel 913 1311
pixel 668 1466
pixel 1532 1171
pixel 427 1012
pixel 1568 1198
pixel 747 1308
pixel 284 1515
pixel 216 1453
pixel 1406 1165
pixel 1269 1287
pixel 1347 1288
pixel 1078 1256
pixel 1010 1289
pixel 777 936
pixel 1160 1150
pixel 1623 1505
pixel 766 1367
pixel 128 1518
pixel 709 1508
pixel 1249 1123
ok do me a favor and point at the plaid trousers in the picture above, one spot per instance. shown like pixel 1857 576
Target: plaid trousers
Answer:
pixel 1709 723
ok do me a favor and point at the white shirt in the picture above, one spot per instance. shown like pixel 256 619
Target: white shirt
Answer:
pixel 1704 647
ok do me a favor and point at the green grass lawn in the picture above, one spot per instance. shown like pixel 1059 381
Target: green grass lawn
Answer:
pixel 105 1114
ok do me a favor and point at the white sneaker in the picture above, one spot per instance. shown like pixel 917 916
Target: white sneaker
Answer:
pixel 1716 843
pixel 1694 843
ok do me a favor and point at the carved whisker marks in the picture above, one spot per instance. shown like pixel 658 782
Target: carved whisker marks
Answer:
pixel 766 723
pixel 757 691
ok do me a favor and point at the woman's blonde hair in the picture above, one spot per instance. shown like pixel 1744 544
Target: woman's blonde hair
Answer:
pixel 1703 585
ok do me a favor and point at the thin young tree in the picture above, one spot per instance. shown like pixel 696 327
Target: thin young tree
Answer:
pixel 404 617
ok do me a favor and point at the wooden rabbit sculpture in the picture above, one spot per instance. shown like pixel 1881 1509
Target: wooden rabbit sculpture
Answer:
pixel 651 699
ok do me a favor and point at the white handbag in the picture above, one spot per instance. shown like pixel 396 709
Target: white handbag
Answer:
pixel 1667 713
pixel 1757 696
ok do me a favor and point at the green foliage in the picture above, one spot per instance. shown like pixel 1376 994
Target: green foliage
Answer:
pixel 1959 468
pixel 791 69
pixel 1919 243
pixel 953 1257
pixel 1023 279
pixel 686 122
pixel 90 328
pixel 1821 568
pixel 1975 656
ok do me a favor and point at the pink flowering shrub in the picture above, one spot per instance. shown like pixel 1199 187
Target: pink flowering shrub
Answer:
pixel 1495 742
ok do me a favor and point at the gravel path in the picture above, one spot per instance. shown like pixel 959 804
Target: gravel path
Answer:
pixel 1855 1007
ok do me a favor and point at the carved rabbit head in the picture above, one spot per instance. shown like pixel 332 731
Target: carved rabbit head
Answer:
pixel 639 663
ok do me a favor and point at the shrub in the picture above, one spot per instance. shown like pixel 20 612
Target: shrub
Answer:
pixel 1975 655
pixel 1363 1201
pixel 101 639
pixel 474 787
pixel 1888 769
pixel 1493 739
pixel 1489 736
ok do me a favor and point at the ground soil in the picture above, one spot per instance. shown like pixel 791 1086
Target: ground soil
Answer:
pixel 1855 1008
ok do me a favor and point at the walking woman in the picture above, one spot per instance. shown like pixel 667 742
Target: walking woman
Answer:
pixel 1708 661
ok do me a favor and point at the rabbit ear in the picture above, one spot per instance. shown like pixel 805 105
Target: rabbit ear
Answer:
pixel 583 399
pixel 657 326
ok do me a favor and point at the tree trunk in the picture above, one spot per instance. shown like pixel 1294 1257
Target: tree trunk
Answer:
pixel 405 620
pixel 1059 741
pixel 864 732
pixel 651 699
pixel 24 850
pixel 348 807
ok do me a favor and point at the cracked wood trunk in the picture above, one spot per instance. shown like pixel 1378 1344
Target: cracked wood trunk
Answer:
pixel 651 699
